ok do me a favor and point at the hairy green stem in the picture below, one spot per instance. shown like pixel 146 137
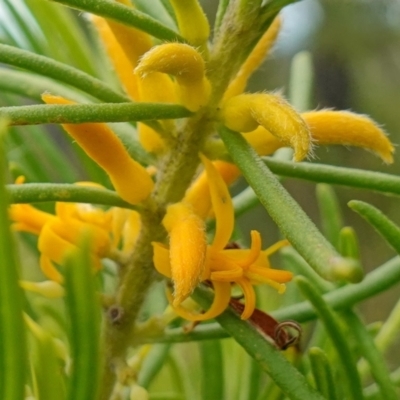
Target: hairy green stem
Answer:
pixel 64 73
pixel 64 192
pixel 126 15
pixel 320 173
pixel 82 113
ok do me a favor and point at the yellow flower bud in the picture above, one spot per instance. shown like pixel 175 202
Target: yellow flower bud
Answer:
pixel 349 129
pixel 246 112
pixel 188 248
pixel 186 65
pixel 129 178
pixel 192 22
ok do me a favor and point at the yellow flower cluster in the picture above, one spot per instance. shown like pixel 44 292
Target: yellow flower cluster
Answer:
pixel 177 73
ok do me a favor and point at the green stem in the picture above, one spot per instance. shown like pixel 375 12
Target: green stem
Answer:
pixel 212 381
pixel 337 336
pixel 388 229
pixel 12 334
pixel 82 113
pixel 375 282
pixel 64 192
pixel 288 215
pixel 126 15
pixel 33 86
pixel 270 359
pixel 336 175
pixel 375 359
pixel 64 73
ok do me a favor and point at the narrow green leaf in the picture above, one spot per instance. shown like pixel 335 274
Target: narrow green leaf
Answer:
pixel 160 10
pixel 212 377
pixel 154 361
pixel 331 215
pixel 33 86
pixel 387 228
pixel 126 15
pixel 352 177
pixel 301 81
pixel 288 215
pixel 271 360
pixel 222 7
pixel 300 267
pixel 12 336
pixel 375 359
pixel 377 281
pixel 64 73
pixel 84 313
pixel 348 243
pixel 46 365
pixel 81 113
pixel 76 49
pixel 322 373
pixel 70 193
pixel 337 336
pixel 180 335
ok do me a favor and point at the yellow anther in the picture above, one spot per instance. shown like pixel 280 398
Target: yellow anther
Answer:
pixel 186 65
pixel 246 112
pixel 192 22
pixel 347 128
pixel 129 178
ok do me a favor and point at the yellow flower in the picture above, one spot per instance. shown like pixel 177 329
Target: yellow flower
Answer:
pixel 62 233
pixel 129 178
pixel 189 259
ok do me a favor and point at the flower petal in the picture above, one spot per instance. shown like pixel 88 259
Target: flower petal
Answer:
pixel 221 205
pixel 161 259
pixel 249 298
pixel 129 178
pixel 188 247
pixel 222 296
pixel 347 128
pixel 192 22
pixel 186 65
pixel 246 112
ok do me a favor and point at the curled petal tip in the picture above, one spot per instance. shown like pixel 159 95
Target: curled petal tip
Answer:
pixel 349 129
pixel 244 113
pixel 187 66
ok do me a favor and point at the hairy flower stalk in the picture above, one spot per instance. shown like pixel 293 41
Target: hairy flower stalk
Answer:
pixel 168 232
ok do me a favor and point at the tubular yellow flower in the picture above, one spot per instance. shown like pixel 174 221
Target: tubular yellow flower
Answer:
pixel 246 112
pixel 188 247
pixel 186 65
pixel 28 218
pixel 331 128
pixel 254 60
pixel 133 41
pixel 121 63
pixel 129 178
pixel 198 194
pixel 222 266
pixel 350 129
pixel 192 22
